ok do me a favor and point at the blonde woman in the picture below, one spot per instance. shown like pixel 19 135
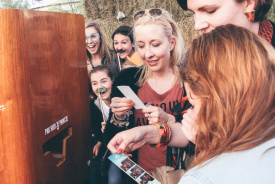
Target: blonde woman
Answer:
pixel 160 45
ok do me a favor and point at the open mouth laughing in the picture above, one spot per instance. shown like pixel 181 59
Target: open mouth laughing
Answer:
pixel 101 91
pixel 91 46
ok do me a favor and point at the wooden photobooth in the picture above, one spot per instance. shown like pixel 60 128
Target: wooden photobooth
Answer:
pixel 44 100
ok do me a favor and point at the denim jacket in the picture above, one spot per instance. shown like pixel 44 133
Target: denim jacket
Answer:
pixel 253 166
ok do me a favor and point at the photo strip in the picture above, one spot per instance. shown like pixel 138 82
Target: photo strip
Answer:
pixel 132 169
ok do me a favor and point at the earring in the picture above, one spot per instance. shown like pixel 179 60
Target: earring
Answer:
pixel 250 15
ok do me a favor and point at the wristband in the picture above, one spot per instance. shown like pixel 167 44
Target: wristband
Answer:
pixel 164 134
pixel 121 119
pixel 119 123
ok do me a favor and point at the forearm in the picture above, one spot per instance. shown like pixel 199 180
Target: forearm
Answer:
pixel 151 134
pixel 178 139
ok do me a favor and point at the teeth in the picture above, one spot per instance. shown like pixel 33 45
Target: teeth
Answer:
pixel 92 46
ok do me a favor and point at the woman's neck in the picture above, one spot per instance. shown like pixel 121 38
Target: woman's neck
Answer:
pixel 96 60
pixel 107 102
pixel 130 55
pixel 163 74
pixel 162 81
pixel 255 27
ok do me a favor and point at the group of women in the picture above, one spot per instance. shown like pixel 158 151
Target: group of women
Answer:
pixel 227 75
pixel 104 66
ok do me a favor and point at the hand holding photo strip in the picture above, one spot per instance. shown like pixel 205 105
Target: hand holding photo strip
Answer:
pixel 132 169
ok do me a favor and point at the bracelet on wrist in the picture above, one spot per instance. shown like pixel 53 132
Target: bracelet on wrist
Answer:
pixel 164 134
pixel 121 119
pixel 118 122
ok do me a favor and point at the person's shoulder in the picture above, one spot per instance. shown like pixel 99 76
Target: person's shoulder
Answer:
pixel 195 177
pixel 94 104
pixel 273 36
pixel 129 75
pixel 130 70
pixel 234 166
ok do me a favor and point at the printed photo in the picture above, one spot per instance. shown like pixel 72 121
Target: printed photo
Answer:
pixel 136 172
pixel 127 164
pixel 146 178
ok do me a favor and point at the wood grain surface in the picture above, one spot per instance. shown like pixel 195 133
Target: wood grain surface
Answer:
pixel 44 96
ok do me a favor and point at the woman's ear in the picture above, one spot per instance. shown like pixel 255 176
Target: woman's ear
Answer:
pixel 172 44
pixel 250 5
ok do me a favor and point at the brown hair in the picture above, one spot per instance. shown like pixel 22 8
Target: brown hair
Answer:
pixel 99 68
pixel 261 9
pixel 232 71
pixel 103 49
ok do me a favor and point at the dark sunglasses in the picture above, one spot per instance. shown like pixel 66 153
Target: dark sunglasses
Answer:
pixel 155 12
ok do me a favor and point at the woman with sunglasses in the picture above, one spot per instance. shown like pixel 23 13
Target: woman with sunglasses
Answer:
pixel 233 97
pixel 251 15
pixel 161 47
pixel 98 52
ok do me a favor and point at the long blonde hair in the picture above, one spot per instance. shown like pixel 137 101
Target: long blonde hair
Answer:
pixel 171 30
pixel 232 70
pixel 104 49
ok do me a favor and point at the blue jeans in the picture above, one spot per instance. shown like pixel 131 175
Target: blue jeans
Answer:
pixel 95 176
pixel 114 175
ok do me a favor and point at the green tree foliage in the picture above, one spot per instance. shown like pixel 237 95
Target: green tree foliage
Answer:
pixel 271 14
pixel 68 6
pixel 16 4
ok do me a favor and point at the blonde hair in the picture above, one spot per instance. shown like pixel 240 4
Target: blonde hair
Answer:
pixel 232 70
pixel 171 30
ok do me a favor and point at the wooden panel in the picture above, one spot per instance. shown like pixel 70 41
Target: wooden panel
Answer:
pixel 44 96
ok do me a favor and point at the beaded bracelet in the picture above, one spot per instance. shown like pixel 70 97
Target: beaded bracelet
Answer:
pixel 120 123
pixel 164 134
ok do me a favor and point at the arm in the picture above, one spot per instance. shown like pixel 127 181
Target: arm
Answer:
pixel 189 179
pixel 134 138
pixel 126 77
pixel 96 149
pixel 157 115
pixel 178 139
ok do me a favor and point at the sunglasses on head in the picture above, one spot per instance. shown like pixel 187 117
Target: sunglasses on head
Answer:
pixel 155 12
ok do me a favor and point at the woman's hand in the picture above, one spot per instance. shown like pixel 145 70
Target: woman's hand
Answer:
pixel 130 140
pixel 120 106
pixel 96 149
pixel 189 127
pixel 156 114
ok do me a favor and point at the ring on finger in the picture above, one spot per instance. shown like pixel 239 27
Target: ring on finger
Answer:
pixel 149 115
pixel 115 105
